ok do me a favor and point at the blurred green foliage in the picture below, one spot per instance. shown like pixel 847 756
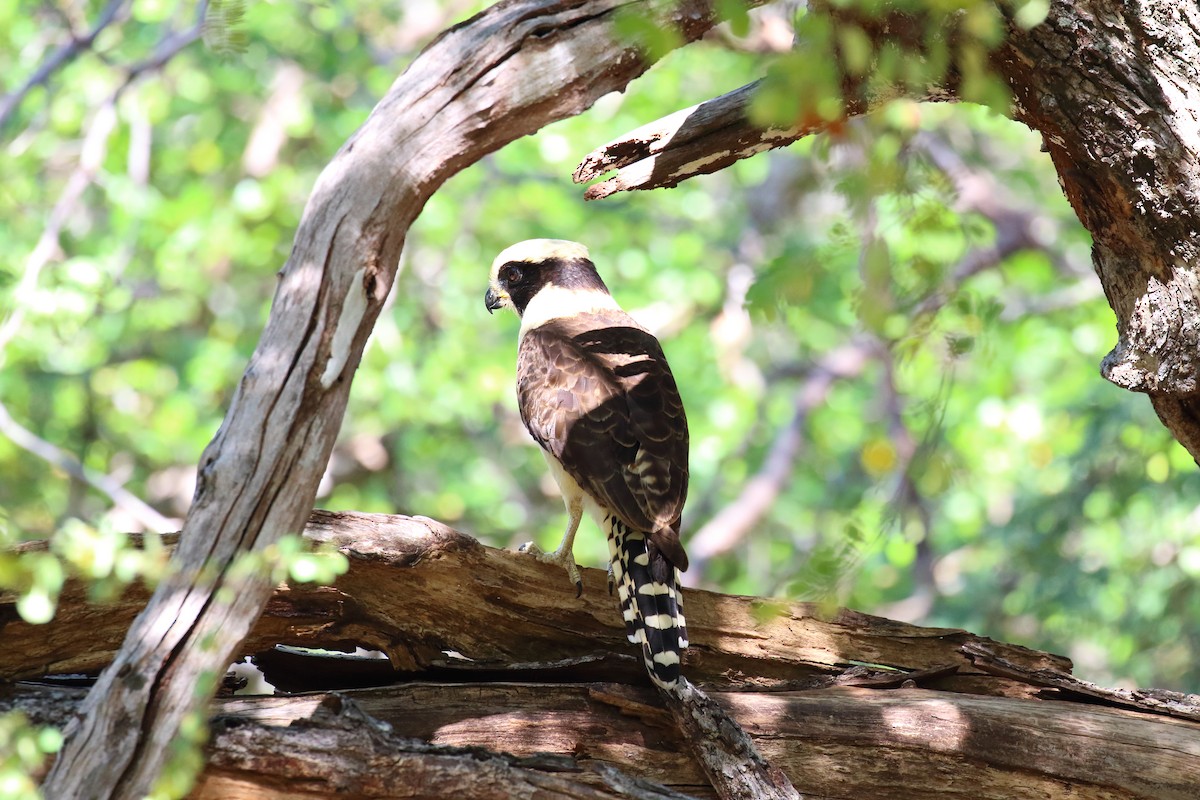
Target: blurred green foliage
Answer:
pixel 841 58
pixel 23 748
pixel 975 471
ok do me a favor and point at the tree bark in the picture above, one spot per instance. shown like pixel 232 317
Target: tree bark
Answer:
pixel 507 72
pixel 838 742
pixel 1114 88
pixel 503 740
pixel 419 591
pixel 549 699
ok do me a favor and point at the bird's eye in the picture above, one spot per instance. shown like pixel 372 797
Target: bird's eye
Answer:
pixel 511 274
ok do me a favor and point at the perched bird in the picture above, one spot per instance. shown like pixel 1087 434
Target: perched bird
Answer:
pixel 595 391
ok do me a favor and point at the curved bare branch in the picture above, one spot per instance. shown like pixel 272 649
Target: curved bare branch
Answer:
pixel 504 74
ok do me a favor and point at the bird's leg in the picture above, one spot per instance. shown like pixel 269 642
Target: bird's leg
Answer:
pixel 564 555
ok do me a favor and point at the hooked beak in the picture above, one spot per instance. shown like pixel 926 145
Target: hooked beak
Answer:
pixel 492 300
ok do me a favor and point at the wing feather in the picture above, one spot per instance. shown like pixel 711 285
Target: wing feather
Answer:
pixel 595 391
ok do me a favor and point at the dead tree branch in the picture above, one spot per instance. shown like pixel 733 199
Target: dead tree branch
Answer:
pixel 485 740
pixel 502 697
pixel 728 756
pixel 420 591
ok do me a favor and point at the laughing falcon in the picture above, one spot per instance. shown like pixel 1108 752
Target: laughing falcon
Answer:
pixel 595 392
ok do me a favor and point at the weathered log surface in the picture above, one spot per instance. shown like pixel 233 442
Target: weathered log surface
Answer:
pixel 419 590
pixel 575 740
pixel 839 742
pixel 550 700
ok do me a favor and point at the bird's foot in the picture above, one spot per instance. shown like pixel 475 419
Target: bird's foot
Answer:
pixel 561 557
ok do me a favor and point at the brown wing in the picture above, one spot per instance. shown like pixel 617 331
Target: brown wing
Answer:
pixel 596 392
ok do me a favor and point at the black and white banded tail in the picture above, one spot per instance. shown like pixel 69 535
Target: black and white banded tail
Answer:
pixel 651 601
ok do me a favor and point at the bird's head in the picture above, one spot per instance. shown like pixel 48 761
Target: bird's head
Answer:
pixel 554 270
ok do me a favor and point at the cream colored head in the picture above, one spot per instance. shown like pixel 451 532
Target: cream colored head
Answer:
pixel 526 268
pixel 537 251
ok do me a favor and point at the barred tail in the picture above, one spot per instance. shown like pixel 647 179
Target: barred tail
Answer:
pixel 651 605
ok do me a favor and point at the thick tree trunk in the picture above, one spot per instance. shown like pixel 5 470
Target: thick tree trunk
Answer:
pixel 1114 88
pixel 493 652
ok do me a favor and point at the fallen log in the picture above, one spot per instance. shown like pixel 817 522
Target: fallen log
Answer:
pixel 498 682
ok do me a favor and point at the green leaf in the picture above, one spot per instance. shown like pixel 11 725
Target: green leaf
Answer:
pixel 645 33
pixel 736 13
pixel 856 49
pixel 36 606
pixel 1032 13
